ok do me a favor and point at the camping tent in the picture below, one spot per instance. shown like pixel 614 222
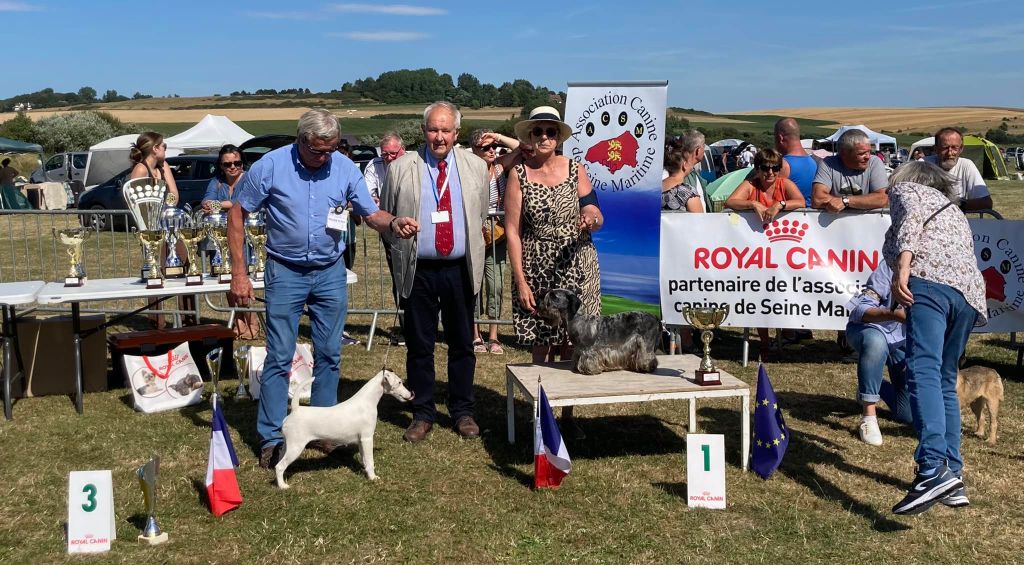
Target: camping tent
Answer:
pixel 211 132
pixel 15 146
pixel 877 139
pixel 984 153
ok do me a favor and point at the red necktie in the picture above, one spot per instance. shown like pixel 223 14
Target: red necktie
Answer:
pixel 444 237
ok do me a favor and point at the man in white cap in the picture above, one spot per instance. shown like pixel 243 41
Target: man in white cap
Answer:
pixel 974 194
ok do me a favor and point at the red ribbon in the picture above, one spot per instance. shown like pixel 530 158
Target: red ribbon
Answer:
pixel 166 374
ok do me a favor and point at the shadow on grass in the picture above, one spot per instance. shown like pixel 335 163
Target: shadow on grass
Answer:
pixel 807 451
pixel 836 412
pixel 674 489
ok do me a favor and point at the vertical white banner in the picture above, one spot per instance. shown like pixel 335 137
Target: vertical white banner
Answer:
pixel 618 134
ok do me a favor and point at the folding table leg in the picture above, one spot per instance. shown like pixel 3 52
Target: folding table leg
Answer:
pixel 510 407
pixel 693 416
pixel 76 326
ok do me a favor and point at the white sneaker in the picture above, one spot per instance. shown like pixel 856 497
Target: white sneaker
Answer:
pixel 869 433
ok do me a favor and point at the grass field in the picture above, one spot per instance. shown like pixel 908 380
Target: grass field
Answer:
pixel 450 500
pixel 905 120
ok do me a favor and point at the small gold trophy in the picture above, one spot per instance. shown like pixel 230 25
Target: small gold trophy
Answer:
pixel 242 368
pixel 706 319
pixel 73 238
pixel 191 237
pixel 257 233
pixel 151 241
pixel 148 474
pixel 213 363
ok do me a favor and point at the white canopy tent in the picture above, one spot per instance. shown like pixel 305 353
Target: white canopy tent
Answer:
pixel 921 143
pixel 211 132
pixel 727 143
pixel 877 139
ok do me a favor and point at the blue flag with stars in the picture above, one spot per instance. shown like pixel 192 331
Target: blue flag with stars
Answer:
pixel 771 436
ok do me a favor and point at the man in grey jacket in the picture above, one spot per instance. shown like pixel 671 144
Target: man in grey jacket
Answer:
pixel 439 272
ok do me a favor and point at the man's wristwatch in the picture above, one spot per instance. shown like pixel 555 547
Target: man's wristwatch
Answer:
pixel 846 202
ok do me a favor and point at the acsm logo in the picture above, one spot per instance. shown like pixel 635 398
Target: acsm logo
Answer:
pixel 621 135
pixel 1003 271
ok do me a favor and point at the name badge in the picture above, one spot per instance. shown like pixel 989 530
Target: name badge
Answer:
pixel 440 217
pixel 337 219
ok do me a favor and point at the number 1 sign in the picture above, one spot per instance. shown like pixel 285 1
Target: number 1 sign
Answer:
pixel 90 511
pixel 705 471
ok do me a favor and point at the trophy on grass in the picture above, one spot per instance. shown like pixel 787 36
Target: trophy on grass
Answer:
pixel 192 237
pixel 256 231
pixel 73 238
pixel 213 359
pixel 148 474
pixel 706 319
pixel 242 368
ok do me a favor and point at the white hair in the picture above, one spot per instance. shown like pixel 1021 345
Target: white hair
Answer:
pixel 851 139
pixel 391 136
pixel 928 174
pixel 318 123
pixel 447 106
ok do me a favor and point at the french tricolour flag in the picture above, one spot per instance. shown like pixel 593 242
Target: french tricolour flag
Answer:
pixel 550 457
pixel 221 484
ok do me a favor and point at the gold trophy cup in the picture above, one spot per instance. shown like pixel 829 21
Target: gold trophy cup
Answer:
pixel 148 474
pixel 257 234
pixel 73 238
pixel 151 241
pixel 219 234
pixel 191 237
pixel 242 368
pixel 706 319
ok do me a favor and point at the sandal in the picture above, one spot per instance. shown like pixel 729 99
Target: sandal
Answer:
pixel 495 348
pixel 479 346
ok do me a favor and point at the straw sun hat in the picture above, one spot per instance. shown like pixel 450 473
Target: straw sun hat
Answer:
pixel 540 115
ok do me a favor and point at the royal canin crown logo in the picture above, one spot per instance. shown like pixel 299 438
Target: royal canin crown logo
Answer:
pixel 785 231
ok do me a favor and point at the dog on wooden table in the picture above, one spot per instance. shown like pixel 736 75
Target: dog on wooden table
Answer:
pixel 981 389
pixel 627 340
pixel 350 422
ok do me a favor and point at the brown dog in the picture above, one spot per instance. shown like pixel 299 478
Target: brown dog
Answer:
pixel 980 388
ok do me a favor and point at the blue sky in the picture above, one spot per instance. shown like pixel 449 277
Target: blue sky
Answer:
pixel 718 56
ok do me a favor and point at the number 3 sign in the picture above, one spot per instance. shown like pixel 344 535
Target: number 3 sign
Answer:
pixel 705 471
pixel 90 511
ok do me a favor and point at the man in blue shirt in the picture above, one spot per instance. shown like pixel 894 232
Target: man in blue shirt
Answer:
pixel 447 190
pixel 304 189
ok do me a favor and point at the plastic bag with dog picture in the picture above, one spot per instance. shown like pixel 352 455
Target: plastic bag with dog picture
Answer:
pixel 164 382
pixel 300 379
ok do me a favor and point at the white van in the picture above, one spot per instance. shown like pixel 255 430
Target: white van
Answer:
pixel 63 167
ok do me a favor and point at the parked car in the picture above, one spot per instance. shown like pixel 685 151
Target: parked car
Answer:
pixel 191 174
pixel 256 147
pixel 1012 152
pixel 63 167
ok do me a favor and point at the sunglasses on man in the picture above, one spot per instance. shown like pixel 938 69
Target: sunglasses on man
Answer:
pixel 551 132
pixel 318 152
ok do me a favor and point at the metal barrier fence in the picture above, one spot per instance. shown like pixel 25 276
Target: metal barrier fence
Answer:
pixel 29 251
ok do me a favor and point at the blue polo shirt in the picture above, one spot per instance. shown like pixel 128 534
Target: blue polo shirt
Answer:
pixel 296 201
pixel 425 247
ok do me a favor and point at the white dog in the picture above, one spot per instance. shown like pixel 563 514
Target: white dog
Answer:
pixel 352 421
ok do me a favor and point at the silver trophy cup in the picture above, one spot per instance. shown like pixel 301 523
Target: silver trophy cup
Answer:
pixel 242 368
pixel 148 474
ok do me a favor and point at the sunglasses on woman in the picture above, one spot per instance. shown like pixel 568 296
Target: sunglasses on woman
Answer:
pixel 772 168
pixel 490 147
pixel 231 164
pixel 551 132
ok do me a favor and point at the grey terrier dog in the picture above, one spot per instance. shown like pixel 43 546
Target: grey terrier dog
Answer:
pixel 627 340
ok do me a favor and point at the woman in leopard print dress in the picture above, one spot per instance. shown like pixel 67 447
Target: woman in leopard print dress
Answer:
pixel 548 234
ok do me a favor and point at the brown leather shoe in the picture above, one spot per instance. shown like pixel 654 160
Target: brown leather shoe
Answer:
pixel 323 446
pixel 467 428
pixel 417 431
pixel 270 455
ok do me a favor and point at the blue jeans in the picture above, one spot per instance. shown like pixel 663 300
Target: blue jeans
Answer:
pixel 288 288
pixel 938 325
pixel 874 354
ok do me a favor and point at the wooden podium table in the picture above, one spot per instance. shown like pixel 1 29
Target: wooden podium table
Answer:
pixel 672 380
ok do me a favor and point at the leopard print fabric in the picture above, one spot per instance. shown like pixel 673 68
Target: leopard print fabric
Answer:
pixel 556 254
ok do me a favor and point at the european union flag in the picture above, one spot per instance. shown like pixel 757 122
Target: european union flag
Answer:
pixel 771 436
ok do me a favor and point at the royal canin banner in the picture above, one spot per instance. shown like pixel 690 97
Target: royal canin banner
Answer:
pixel 618 135
pixel 800 270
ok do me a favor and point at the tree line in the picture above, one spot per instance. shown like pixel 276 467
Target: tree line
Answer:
pixel 427 85
pixel 48 98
